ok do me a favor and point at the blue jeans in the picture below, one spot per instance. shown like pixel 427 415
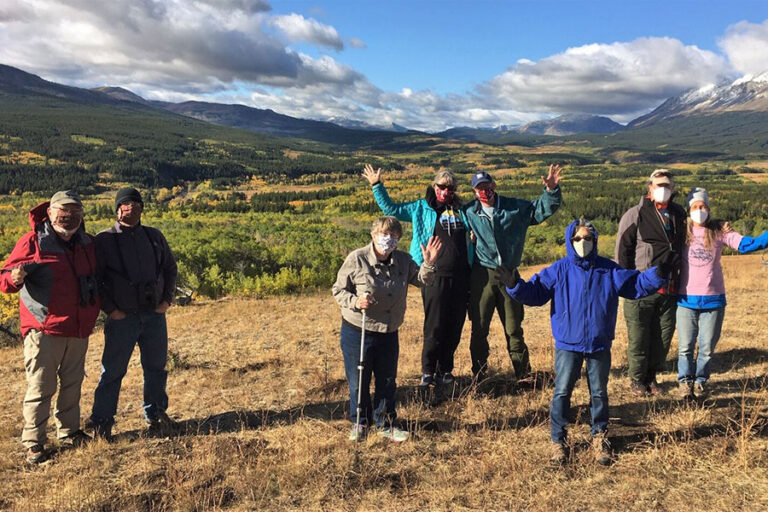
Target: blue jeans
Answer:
pixel 704 324
pixel 567 372
pixel 120 336
pixel 380 359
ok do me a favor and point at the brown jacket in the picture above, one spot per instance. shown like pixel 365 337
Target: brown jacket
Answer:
pixel 388 283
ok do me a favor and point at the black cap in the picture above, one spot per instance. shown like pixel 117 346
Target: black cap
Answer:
pixel 127 194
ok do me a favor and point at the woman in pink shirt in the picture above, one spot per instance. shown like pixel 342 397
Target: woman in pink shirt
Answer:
pixel 701 299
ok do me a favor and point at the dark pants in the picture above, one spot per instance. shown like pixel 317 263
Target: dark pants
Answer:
pixel 650 327
pixel 487 295
pixel 567 372
pixel 149 330
pixel 445 308
pixel 380 358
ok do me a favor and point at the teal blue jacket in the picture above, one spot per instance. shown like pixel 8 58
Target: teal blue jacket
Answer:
pixel 420 214
pixel 501 242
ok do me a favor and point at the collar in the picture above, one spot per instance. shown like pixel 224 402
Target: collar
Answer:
pixel 119 228
pixel 370 255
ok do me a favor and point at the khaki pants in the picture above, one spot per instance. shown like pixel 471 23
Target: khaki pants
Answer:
pixel 45 359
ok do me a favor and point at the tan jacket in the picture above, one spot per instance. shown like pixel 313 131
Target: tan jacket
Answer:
pixel 388 283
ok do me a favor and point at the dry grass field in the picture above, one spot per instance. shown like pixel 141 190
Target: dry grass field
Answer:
pixel 259 388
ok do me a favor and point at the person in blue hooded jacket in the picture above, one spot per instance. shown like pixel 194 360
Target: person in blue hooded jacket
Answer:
pixel 584 291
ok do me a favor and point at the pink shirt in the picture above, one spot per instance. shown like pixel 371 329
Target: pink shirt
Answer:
pixel 701 273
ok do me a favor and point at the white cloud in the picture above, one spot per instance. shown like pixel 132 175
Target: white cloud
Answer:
pixel 298 28
pixel 746 45
pixel 616 79
pixel 357 43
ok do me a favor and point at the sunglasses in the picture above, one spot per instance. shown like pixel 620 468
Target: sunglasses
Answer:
pixel 588 238
pixel 441 186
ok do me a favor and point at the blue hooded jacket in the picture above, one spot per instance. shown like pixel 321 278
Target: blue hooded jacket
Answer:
pixel 585 296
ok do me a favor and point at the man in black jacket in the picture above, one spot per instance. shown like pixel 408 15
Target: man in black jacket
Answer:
pixel 137 280
pixel 651 233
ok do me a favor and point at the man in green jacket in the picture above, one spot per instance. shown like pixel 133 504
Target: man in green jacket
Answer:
pixel 498 227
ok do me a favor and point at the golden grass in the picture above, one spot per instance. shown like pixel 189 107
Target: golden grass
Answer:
pixel 259 385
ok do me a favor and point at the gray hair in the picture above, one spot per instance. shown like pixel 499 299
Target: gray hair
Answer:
pixel 387 224
pixel 443 176
pixel 584 223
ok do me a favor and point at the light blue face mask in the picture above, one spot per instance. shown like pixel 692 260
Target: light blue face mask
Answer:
pixel 385 244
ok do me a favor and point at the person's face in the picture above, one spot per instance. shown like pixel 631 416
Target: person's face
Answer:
pixel 129 212
pixel 444 185
pixel 66 217
pixel 488 185
pixel 583 233
pixel 699 205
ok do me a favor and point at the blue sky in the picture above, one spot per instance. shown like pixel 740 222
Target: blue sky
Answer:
pixel 425 64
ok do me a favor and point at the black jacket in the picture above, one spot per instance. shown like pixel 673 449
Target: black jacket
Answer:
pixel 136 268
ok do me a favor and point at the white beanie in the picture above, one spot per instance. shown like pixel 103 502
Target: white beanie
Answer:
pixel 698 194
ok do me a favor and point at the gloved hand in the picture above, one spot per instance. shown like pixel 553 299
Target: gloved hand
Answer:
pixel 507 277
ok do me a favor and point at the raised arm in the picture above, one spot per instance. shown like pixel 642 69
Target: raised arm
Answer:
pixel 402 211
pixel 551 198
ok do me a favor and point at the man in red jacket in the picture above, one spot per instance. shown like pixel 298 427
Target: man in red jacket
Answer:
pixel 53 267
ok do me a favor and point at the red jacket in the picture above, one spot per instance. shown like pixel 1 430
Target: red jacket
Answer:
pixel 58 296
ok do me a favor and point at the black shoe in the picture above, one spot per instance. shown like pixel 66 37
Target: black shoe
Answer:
pixel 36 454
pixel 162 423
pixel 427 381
pixel 76 439
pixel 653 387
pixel 446 379
pixel 102 431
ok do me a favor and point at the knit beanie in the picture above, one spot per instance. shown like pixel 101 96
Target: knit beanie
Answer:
pixel 127 194
pixel 698 194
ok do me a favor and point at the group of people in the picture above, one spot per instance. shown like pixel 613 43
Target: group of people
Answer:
pixel 465 258
pixel 64 276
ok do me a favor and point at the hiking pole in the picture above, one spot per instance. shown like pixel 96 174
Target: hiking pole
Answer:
pixel 360 376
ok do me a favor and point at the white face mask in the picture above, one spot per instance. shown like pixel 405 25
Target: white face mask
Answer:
pixel 699 216
pixel 583 247
pixel 661 194
pixel 385 244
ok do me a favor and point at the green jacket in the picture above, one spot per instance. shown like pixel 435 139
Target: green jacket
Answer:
pixel 420 214
pixel 501 241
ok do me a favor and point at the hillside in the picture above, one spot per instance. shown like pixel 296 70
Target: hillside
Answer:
pixel 263 408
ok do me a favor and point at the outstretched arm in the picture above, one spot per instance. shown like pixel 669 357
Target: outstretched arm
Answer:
pixel 538 290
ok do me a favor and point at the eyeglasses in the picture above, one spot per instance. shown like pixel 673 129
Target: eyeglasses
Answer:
pixel 588 238
pixel 443 186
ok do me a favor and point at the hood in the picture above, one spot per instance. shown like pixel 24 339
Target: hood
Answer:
pixel 571 252
pixel 38 214
pixel 431 199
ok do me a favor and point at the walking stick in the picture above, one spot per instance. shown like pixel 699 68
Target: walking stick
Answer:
pixel 360 378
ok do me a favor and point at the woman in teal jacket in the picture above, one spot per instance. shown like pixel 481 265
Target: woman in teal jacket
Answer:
pixel 438 214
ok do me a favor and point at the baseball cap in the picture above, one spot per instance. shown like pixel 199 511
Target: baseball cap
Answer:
pixel 63 197
pixel 481 177
pixel 660 176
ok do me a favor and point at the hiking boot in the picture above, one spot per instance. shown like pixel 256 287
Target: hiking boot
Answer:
pixel 700 390
pixel 358 433
pixel 102 431
pixel 447 379
pixel 527 381
pixel 638 388
pixel 602 449
pixel 36 454
pixel 653 387
pixel 162 423
pixel 558 455
pixel 427 381
pixel 76 439
pixel 394 434
pixel 685 390
pixel 480 376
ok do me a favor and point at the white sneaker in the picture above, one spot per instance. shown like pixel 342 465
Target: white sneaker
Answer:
pixel 394 434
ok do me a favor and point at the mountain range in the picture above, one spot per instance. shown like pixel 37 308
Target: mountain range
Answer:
pixel 726 112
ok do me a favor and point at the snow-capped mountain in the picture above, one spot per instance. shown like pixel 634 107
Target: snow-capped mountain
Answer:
pixel 749 93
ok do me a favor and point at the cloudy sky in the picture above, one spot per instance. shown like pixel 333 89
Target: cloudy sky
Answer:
pixel 424 64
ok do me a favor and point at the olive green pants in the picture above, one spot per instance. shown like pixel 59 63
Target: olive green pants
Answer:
pixel 650 327
pixel 486 295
